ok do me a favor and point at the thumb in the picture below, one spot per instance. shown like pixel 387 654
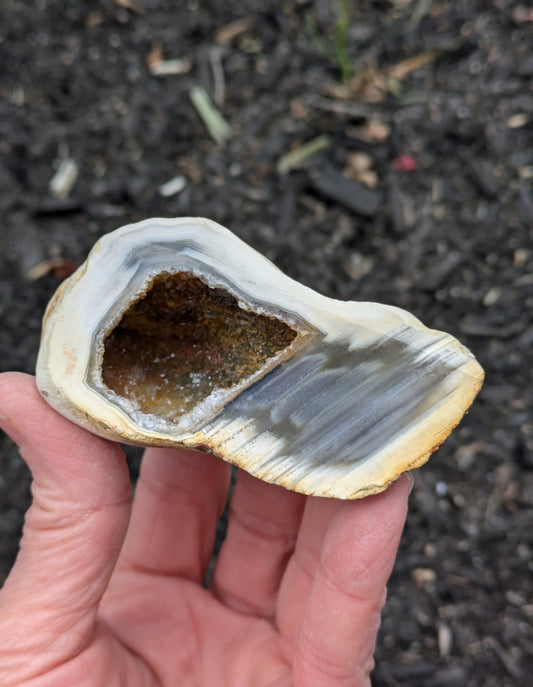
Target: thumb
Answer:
pixel 72 534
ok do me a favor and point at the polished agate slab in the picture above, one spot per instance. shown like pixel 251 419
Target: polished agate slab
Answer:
pixel 176 333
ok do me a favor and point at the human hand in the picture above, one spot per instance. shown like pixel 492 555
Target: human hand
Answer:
pixel 104 593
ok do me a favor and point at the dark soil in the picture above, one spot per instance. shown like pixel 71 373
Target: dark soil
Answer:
pixel 441 106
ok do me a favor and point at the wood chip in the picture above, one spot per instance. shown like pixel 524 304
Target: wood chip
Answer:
pixel 373 131
pixel 130 5
pixel 492 296
pixel 61 267
pixel 402 69
pixel 171 67
pixel 518 120
pixel 357 265
pixel 359 167
pixel 161 67
pixel 64 179
pixel 505 657
pixel 173 186
pixel 423 576
pixel 230 31
pixel 444 638
pixel 332 184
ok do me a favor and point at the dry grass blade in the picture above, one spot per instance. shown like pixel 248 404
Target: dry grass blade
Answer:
pixel 402 69
pixel 215 123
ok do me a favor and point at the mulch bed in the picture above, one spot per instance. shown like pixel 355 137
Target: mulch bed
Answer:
pixel 420 196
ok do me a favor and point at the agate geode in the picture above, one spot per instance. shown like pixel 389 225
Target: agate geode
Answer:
pixel 176 333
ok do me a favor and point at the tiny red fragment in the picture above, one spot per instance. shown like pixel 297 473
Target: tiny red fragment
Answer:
pixel 405 163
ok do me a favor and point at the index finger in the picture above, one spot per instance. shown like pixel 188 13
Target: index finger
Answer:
pixel 72 534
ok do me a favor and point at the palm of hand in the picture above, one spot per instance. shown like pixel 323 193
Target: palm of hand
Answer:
pixel 182 630
pixel 106 594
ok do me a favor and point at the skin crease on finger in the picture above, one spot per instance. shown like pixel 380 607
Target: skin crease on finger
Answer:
pixel 295 599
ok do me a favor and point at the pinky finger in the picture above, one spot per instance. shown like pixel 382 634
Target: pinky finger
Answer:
pixel 336 638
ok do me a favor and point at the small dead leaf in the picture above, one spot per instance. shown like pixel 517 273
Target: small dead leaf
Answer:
pixel 155 55
pixel 250 44
pixel 337 91
pixel 158 66
pixel 61 267
pixel 298 109
pixel 357 265
pixel 370 86
pixel 191 170
pixel 520 257
pixel 230 31
pixel 374 130
pixel 359 162
pixel 369 178
pixel 94 18
pixel 522 14
pixel 359 167
pixel 130 5
pixel 423 576
pixel 402 69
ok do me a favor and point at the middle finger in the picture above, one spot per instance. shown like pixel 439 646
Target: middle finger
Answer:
pixel 262 528
pixel 179 497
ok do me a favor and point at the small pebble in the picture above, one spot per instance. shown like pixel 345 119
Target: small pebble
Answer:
pixel 441 489
pixel 492 296
pixel 517 120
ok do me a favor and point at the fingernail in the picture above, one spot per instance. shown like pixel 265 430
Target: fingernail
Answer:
pixel 411 480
